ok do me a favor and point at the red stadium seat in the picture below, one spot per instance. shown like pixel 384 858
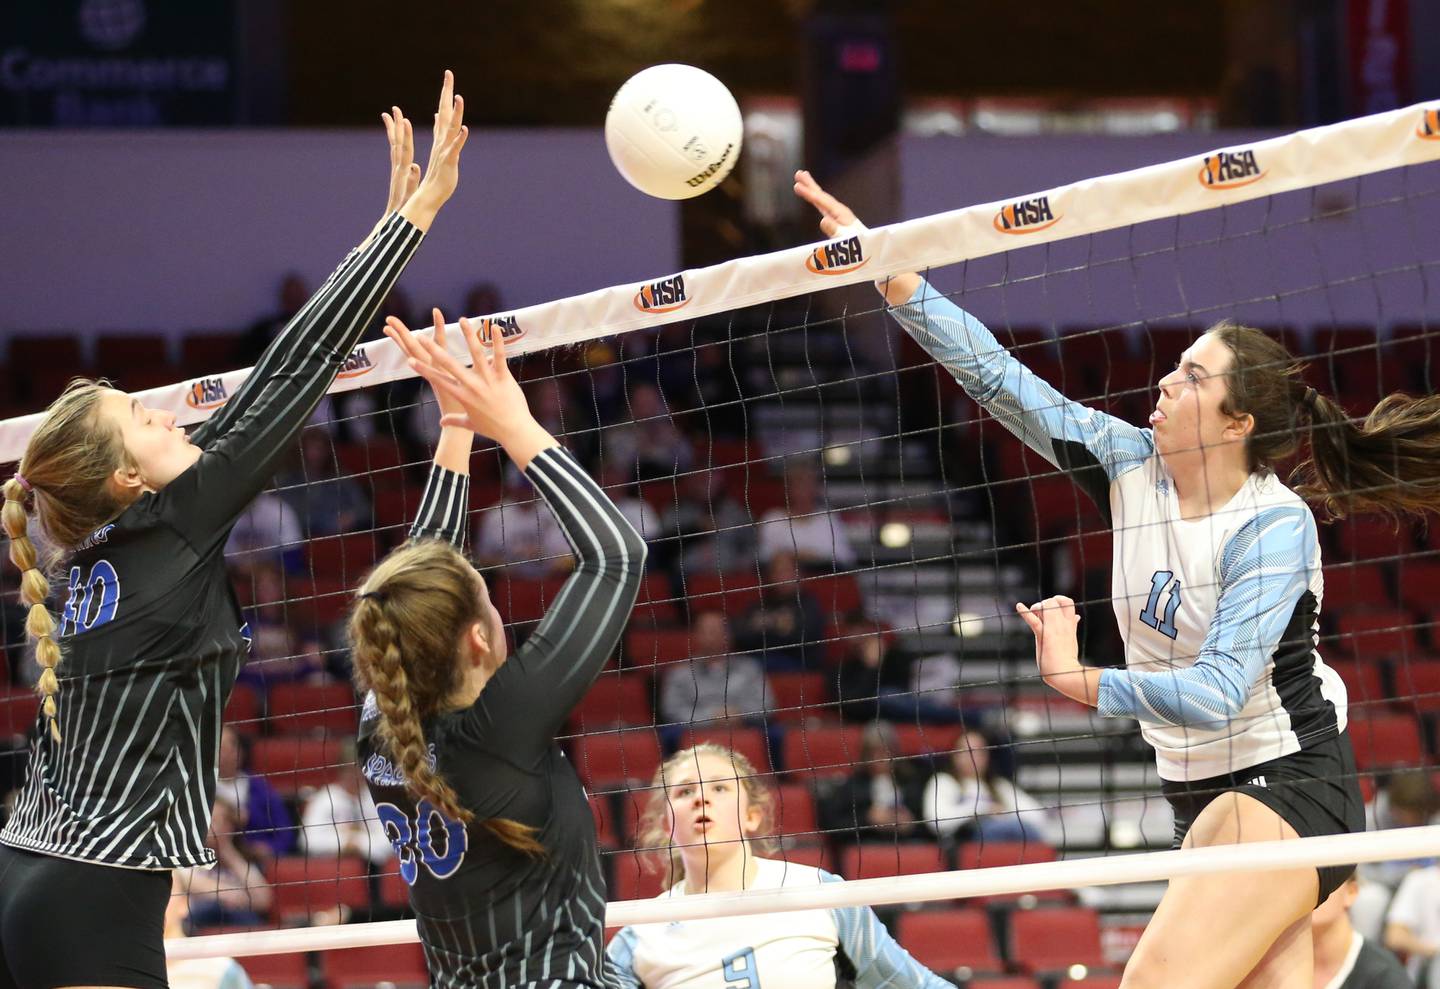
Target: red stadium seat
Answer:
pixel 242 710
pixel 1417 685
pixel 347 557
pixel 400 965
pixel 118 353
pixel 813 854
pixel 396 505
pixel 885 860
pixel 612 758
pixel 838 594
pixel 656 606
pixel 632 877
pixel 1356 586
pixel 730 593
pixel 289 762
pixel 208 353
pixel 1006 982
pixel 614 699
pixel 304 887
pixel 308 707
pixel 1363 683
pixel 1418 580
pixel 1385 740
pixel 996 854
pixel 647 647
pixel 926 739
pixel 799 696
pixel 1368 538
pixel 795 811
pixel 1051 940
pixel 17 711
pixel 278 971
pixel 944 940
pixel 1090 982
pixel 749 742
pixel 822 750
pixel 1379 634
pixel 525 600
pixel 607 831
pixel 394 891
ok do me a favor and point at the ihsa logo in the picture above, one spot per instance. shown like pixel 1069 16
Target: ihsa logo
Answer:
pixel 666 295
pixel 1230 169
pixel 207 393
pixel 356 364
pixel 1429 128
pixel 1026 216
pixel 509 326
pixel 836 257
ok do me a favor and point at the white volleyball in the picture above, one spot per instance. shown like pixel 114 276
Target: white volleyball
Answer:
pixel 673 131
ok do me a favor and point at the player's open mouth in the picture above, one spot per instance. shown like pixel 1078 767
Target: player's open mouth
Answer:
pixel 1157 417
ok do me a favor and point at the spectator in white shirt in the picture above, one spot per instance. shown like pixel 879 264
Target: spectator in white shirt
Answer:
pixel 1412 927
pixel 973 800
pixel 339 819
pixel 804 526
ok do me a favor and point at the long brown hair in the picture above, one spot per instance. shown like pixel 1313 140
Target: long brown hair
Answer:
pixel 655 838
pixel 1387 463
pixel 405 630
pixel 67 464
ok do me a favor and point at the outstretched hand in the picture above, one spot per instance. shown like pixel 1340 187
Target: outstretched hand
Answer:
pixel 834 215
pixel 448 137
pixel 404 171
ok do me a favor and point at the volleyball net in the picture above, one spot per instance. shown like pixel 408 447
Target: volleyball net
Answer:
pixel 838 536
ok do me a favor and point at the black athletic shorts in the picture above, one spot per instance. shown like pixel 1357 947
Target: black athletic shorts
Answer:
pixel 1315 791
pixel 68 923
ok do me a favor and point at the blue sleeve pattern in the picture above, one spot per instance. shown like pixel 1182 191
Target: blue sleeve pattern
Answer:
pixel 1067 434
pixel 620 960
pixel 880 962
pixel 1265 569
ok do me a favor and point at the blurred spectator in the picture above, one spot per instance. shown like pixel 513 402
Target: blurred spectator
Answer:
pixel 1408 800
pixel 278 652
pixel 878 801
pixel 804 526
pixel 483 299
pixel 715 685
pixel 701 377
pixel 268 533
pixel 971 800
pixel 293 295
pixel 1343 958
pixel 624 491
pixel 785 627
pixel 340 819
pixel 1412 925
pixel 712 528
pixel 234 892
pixel 871 672
pixel 325 502
pixel 519 533
pixel 648 444
pixel 196 973
pixel 602 386
pixel 260 815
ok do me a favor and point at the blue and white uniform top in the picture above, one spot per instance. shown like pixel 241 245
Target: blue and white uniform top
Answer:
pixel 802 949
pixel 1219 614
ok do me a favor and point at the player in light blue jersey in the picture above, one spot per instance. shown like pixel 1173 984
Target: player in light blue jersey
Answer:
pixel 707 813
pixel 1216 586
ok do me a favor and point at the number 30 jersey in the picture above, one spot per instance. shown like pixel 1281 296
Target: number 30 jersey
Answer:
pixel 488 915
pixel 1219 615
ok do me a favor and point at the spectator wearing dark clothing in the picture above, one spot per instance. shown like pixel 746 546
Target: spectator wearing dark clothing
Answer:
pixel 786 627
pixel 252 343
pixel 880 800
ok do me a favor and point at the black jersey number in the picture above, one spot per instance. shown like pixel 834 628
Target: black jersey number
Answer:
pixel 98 592
pixel 432 839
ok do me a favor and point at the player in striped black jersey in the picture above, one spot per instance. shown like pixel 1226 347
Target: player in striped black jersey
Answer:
pixel 122 771
pixel 457 740
pixel 1217 589
pixel 704 824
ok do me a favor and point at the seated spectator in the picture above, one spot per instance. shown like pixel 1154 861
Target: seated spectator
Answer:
pixel 879 800
pixel 260 815
pixel 973 801
pixel 482 299
pixel 1412 925
pixel 520 534
pixel 1344 959
pixel 1407 800
pixel 715 686
pixel 649 445
pixel 712 529
pixel 268 533
pixel 325 502
pixel 871 672
pixel 278 652
pixel 620 484
pixel 339 819
pixel 293 294
pixel 196 973
pixel 804 526
pixel 785 628
pixel 234 892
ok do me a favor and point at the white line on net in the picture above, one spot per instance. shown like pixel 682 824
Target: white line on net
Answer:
pixel 1104 870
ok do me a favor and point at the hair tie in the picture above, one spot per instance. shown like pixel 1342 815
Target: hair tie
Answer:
pixel 1309 400
pixel 24 483
pixel 377 596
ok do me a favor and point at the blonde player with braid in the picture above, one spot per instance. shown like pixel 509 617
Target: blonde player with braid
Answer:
pixel 704 828
pixel 457 740
pixel 123 773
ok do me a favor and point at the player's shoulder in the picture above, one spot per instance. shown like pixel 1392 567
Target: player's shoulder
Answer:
pixel 775 873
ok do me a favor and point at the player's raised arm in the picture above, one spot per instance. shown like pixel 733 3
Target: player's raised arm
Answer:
pixel 1066 433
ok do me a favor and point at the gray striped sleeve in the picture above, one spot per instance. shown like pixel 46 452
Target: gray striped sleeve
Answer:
pixel 443 507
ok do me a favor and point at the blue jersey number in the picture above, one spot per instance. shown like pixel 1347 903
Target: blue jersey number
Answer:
pixel 432 840
pixel 739 970
pixel 92 601
pixel 1150 616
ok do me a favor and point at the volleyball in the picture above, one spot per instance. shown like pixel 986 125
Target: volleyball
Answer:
pixel 673 131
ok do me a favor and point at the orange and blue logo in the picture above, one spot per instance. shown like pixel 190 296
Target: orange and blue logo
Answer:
pixel 207 393
pixel 1429 128
pixel 836 257
pixel 1230 169
pixel 356 365
pixel 666 295
pixel 509 326
pixel 1026 216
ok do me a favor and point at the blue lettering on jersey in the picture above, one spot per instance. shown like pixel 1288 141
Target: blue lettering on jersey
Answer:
pixel 739 970
pixel 92 602
pixel 248 636
pixel 417 843
pixel 1150 616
